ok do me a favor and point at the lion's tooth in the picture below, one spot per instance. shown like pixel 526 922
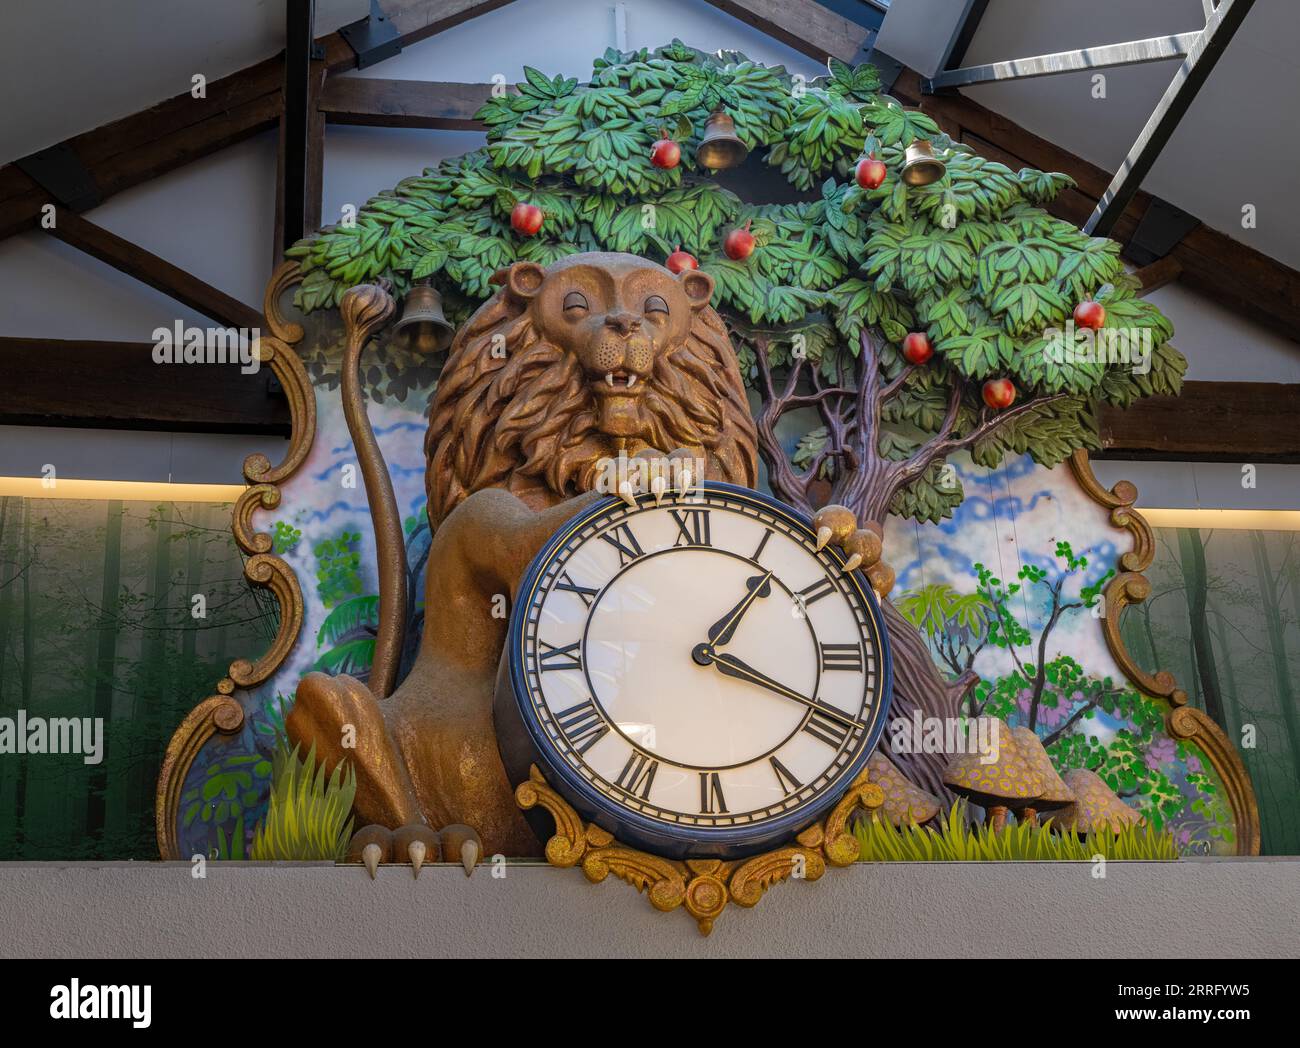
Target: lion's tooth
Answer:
pixel 631 381
pixel 609 378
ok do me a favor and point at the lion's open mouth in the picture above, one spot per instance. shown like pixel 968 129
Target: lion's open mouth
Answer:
pixel 619 382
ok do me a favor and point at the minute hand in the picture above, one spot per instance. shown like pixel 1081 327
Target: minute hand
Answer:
pixel 734 667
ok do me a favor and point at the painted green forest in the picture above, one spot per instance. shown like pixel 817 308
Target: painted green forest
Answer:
pixel 1224 618
pixel 97 619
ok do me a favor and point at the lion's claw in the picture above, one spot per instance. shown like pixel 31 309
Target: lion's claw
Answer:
pixel 461 842
pixel 862 545
pixel 416 844
pixel 658 485
pixel 654 469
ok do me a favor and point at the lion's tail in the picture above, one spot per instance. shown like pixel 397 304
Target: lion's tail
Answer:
pixel 365 310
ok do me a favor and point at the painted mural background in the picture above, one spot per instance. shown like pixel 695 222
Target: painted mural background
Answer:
pixel 1026 543
pixel 1224 618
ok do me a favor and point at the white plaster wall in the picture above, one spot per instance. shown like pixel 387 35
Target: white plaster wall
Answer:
pixel 1243 908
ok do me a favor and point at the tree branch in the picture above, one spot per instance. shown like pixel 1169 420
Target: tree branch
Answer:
pixel 785 481
pixel 892 387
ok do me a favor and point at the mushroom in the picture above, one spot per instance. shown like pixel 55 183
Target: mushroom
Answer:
pixel 997 785
pixel 1095 806
pixel 1056 794
pixel 905 802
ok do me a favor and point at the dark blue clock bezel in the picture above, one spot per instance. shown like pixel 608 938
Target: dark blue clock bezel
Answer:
pixel 641 831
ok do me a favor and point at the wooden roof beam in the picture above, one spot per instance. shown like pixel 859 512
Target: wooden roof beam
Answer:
pixel 56 382
pixel 804 25
pixel 148 268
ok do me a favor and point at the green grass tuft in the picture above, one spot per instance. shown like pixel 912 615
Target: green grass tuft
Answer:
pixel 951 839
pixel 309 817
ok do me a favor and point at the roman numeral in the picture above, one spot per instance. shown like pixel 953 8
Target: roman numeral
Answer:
pixel 784 779
pixel 565 658
pixel 582 725
pixel 819 589
pixel 585 592
pixel 762 543
pixel 711 800
pixel 628 547
pixel 842 657
pixel 827 729
pixel 696 533
pixel 638 774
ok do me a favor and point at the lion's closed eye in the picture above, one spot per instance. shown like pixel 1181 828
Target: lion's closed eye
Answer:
pixel 575 300
pixel 655 304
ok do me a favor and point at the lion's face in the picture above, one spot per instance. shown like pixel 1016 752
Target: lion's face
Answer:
pixel 616 320
pixel 595 355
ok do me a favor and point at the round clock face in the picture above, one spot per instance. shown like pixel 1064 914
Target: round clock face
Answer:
pixel 696 677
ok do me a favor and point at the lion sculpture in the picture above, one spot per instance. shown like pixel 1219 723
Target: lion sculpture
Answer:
pixel 565 368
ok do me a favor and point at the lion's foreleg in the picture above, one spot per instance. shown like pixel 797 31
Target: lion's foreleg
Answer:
pixel 342 720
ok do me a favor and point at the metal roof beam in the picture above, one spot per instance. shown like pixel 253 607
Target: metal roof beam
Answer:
pixel 1209 46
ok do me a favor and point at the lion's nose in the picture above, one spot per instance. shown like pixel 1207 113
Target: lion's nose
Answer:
pixel 624 323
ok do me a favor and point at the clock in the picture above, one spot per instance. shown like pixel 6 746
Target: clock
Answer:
pixel 695 676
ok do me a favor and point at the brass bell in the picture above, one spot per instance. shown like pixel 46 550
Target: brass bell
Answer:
pixel 920 166
pixel 429 331
pixel 720 147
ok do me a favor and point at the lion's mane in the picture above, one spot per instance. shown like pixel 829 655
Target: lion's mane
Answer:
pixel 516 404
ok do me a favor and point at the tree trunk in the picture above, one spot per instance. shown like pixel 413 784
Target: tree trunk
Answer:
pixel 193 585
pixel 1191 553
pixel 105 660
pixel 9 560
pixel 1229 694
pixel 28 558
pixel 918 685
pixel 1281 671
pixel 149 715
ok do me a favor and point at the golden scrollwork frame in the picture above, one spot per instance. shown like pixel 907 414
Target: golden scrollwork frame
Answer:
pixel 702 886
pixel 1130 586
pixel 222 713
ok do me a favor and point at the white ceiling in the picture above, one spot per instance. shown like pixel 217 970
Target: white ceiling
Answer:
pixel 1235 146
pixel 68 71
pixel 72 66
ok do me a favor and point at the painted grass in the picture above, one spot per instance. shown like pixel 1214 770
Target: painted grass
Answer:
pixel 952 839
pixel 309 817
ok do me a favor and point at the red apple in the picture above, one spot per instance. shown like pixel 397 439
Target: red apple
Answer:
pixel 665 152
pixel 871 172
pixel 917 348
pixel 680 261
pixel 526 218
pixel 739 243
pixel 1089 314
pixel 999 393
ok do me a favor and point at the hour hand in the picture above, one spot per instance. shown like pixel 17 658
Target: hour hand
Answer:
pixel 756 586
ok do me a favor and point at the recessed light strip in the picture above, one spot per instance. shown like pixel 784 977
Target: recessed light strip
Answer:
pixel 1230 519
pixel 126 490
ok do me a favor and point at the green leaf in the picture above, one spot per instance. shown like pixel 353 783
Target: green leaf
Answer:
pixel 353 657
pixel 352 614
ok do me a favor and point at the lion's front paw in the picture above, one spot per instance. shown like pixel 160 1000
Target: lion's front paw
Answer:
pixel 838 525
pixel 416 844
pixel 660 473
